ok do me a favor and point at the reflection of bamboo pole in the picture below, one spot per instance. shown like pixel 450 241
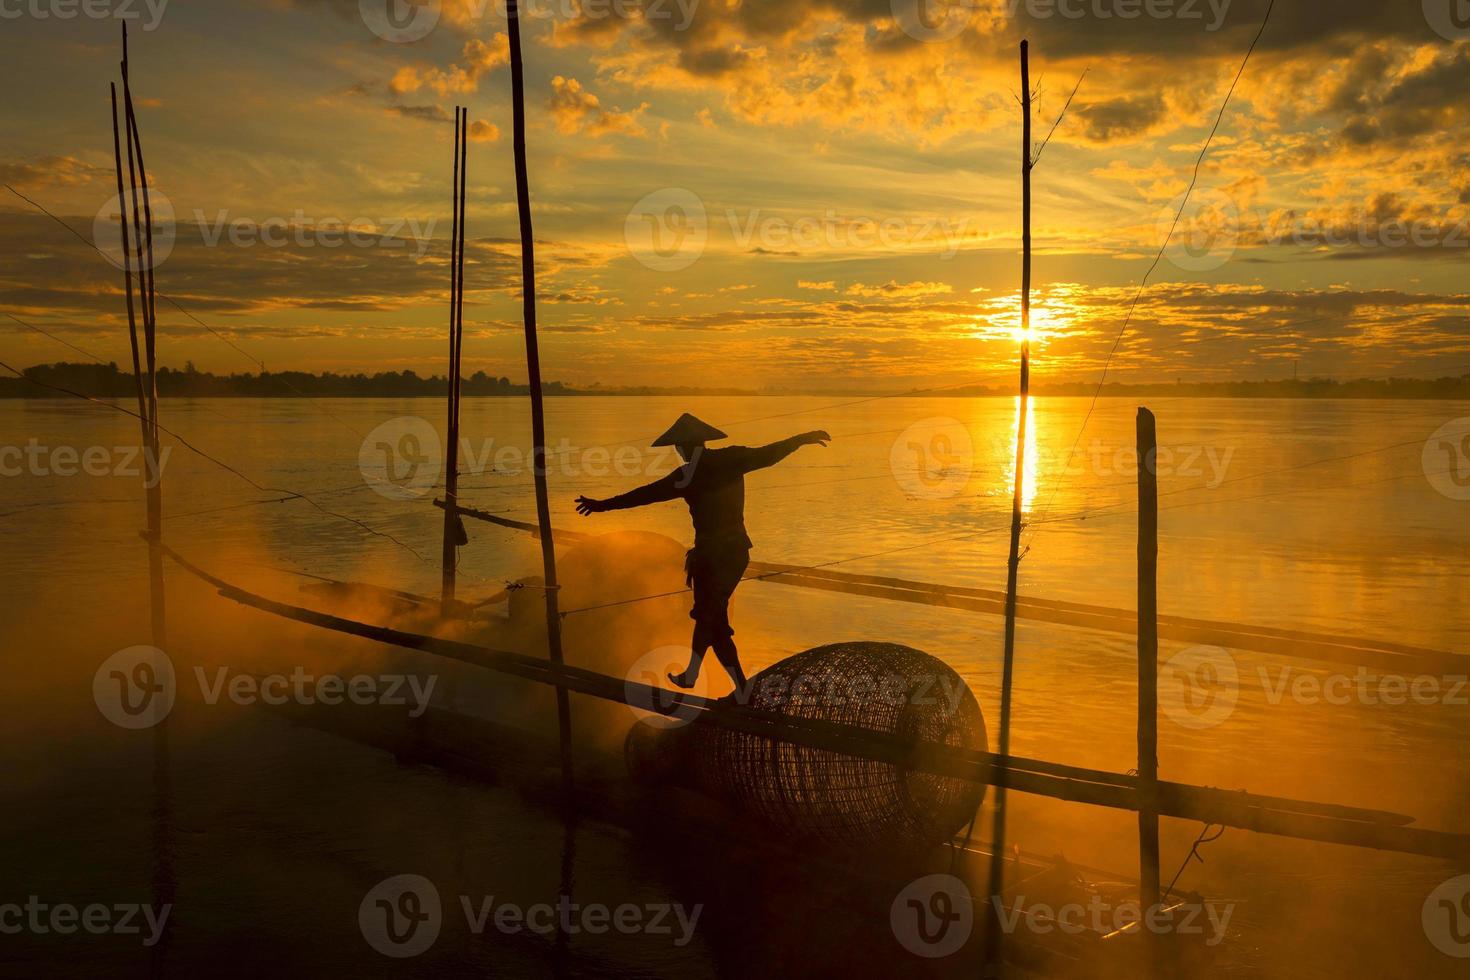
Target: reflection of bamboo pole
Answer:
pixel 997 862
pixel 451 450
pixel 533 369
pixel 1148 660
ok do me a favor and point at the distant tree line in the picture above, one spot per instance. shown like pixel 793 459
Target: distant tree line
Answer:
pixel 107 381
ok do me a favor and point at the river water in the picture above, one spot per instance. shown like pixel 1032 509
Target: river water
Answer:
pixel 1328 516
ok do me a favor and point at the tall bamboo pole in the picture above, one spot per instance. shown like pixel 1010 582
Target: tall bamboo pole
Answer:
pixel 1148 660
pixel 998 836
pixel 533 368
pixel 451 452
pixel 163 879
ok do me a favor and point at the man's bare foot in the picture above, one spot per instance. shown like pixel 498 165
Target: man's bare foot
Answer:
pixel 681 680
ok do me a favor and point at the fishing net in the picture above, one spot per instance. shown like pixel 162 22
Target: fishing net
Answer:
pixel 829 796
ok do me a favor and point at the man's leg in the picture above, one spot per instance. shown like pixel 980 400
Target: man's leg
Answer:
pixel 697 647
pixel 729 658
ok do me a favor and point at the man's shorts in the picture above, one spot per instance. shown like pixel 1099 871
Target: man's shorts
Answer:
pixel 713 575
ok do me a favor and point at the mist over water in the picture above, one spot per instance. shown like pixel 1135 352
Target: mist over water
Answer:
pixel 1361 545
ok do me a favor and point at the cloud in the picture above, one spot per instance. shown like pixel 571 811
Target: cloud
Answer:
pixel 576 110
pixel 898 289
pixel 478 59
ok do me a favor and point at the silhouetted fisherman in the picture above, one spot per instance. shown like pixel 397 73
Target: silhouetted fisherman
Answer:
pixel 712 482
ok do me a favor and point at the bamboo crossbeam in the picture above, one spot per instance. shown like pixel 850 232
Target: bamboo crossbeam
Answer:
pixel 1324 647
pixel 1331 823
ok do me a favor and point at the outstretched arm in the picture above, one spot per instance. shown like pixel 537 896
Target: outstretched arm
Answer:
pixel 664 488
pixel 760 457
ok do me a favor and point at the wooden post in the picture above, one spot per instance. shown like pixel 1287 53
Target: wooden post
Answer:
pixel 533 369
pixel 163 883
pixel 1148 660
pixel 451 451
pixel 998 835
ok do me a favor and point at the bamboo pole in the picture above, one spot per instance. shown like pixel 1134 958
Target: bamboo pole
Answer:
pixel 1328 823
pixel 451 452
pixel 533 368
pixel 163 877
pixel 122 214
pixel 1148 660
pixel 1299 644
pixel 998 836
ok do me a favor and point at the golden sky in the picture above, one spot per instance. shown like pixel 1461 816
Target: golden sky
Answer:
pixel 805 193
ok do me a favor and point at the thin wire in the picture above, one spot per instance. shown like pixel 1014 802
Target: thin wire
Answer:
pixel 53 336
pixel 1037 158
pixel 176 305
pixel 1194 178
